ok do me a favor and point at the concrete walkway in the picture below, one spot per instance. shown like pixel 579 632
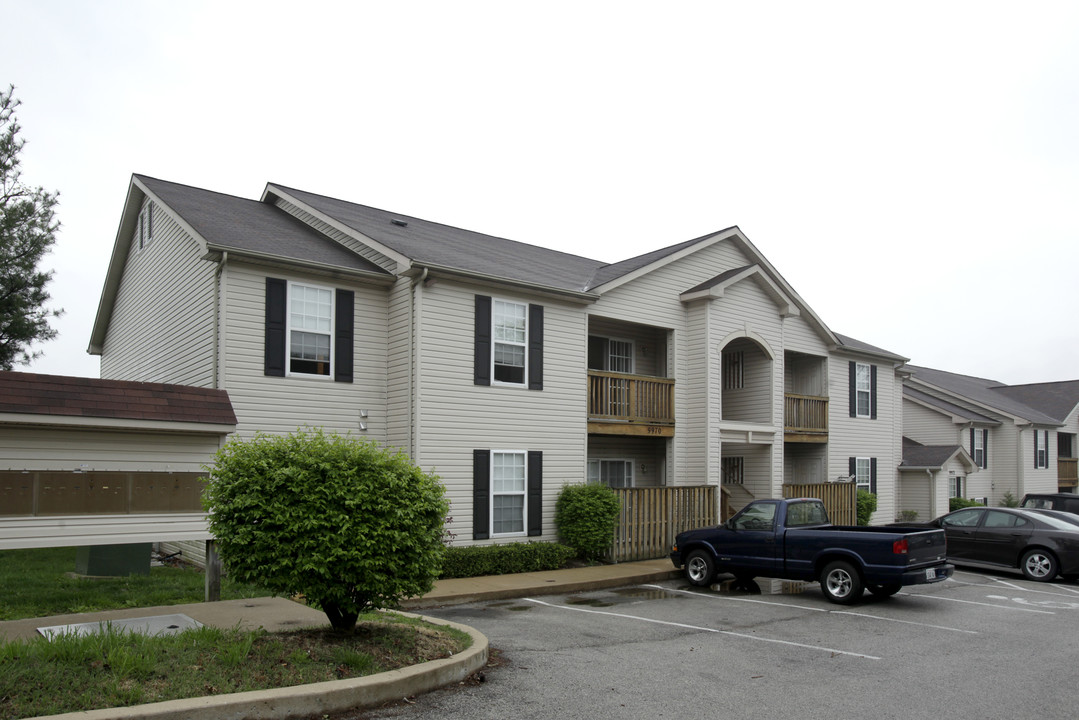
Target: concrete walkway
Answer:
pixel 276 614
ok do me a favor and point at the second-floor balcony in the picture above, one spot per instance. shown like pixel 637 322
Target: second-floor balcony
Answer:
pixel 805 418
pixel 621 404
pixel 1067 472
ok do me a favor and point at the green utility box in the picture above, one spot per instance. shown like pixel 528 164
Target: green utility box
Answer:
pixel 113 560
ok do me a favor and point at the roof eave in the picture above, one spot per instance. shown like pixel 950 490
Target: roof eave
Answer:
pixel 577 296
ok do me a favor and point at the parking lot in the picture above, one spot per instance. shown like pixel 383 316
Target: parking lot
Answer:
pixel 980 645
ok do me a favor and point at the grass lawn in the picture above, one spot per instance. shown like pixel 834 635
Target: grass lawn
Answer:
pixel 114 669
pixel 40 582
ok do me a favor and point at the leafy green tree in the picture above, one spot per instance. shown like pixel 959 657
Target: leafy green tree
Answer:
pixel 350 526
pixel 586 517
pixel 28 228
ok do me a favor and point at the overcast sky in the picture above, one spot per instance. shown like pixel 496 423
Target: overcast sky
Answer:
pixel 911 169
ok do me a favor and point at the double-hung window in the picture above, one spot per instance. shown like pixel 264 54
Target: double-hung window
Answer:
pixel 1041 448
pixel 310 329
pixel 508 343
pixel 977 447
pixel 509 324
pixel 863 390
pixel 955 485
pixel 508 493
pixel 864 472
pixel 612 473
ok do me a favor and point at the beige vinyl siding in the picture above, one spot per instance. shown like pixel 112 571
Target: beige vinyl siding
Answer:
pixel 285 404
pixel 930 427
pixel 56 449
pixel 646 454
pixel 458 416
pixel 399 371
pixel 653 299
pixel 190 551
pixel 333 233
pixel 918 492
pixel 162 323
pixel 864 437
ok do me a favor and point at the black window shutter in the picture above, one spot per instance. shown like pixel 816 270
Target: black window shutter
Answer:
pixel 343 335
pixel 481 494
pixel 852 466
pixel 873 392
pixel 972 431
pixel 873 475
pixel 853 382
pixel 482 369
pixel 274 359
pixel 535 347
pixel 535 492
pixel 1036 450
pixel 985 448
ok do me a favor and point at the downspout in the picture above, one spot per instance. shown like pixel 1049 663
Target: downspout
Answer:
pixel 217 318
pixel 413 365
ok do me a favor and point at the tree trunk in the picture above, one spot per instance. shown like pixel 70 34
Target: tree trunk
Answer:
pixel 340 620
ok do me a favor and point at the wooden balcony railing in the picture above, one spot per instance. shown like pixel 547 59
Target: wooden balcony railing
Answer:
pixel 805 417
pixel 615 397
pixel 1068 472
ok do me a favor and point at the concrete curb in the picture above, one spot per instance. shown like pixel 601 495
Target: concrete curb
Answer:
pixel 305 700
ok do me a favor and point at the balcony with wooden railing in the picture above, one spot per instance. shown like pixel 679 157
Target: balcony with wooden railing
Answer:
pixel 620 404
pixel 1067 472
pixel 805 418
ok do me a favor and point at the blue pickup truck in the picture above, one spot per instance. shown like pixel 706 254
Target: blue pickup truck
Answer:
pixel 792 539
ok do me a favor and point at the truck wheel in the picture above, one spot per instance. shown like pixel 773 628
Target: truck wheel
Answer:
pixel 700 569
pixel 1039 565
pixel 884 590
pixel 841 583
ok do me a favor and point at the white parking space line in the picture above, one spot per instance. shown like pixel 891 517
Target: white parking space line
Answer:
pixel 706 629
pixel 1021 588
pixel 735 599
pixel 905 622
pixel 814 609
pixel 972 602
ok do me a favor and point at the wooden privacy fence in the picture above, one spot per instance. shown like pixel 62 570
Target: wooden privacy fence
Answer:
pixel 840 499
pixel 651 517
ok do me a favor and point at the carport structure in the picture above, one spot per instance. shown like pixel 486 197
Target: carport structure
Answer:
pixel 96 462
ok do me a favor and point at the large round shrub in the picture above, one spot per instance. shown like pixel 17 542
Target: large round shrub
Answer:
pixel 349 525
pixel 586 517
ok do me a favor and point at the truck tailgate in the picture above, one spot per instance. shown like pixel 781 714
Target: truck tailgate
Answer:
pixel 925 546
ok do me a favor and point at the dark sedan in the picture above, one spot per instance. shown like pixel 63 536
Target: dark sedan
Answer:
pixel 1039 544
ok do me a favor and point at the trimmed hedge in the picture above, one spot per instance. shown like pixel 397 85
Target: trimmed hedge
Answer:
pixel 478 560
pixel 957 503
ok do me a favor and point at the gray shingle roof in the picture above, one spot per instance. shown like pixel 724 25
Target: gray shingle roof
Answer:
pixel 916 455
pixel 426 242
pixel 948 407
pixel 1043 404
pixel 860 346
pixel 236 223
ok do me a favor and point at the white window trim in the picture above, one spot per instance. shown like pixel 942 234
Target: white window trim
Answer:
pixel 523 494
pixel 1042 437
pixel 868 484
pixel 289 372
pixel 868 390
pixel 632 355
pixel 597 462
pixel 495 342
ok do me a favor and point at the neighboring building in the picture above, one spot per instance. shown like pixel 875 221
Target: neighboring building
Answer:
pixel 508 369
pixel 100 462
pixel 1015 438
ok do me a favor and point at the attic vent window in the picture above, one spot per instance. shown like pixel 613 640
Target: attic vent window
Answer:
pixel 399 223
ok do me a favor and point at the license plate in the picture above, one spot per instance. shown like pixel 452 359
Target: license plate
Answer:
pixel 931 574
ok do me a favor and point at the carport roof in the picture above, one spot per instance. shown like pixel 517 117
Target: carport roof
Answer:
pixel 74 397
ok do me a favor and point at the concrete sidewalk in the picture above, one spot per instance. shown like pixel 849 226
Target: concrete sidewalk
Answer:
pixel 276 614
